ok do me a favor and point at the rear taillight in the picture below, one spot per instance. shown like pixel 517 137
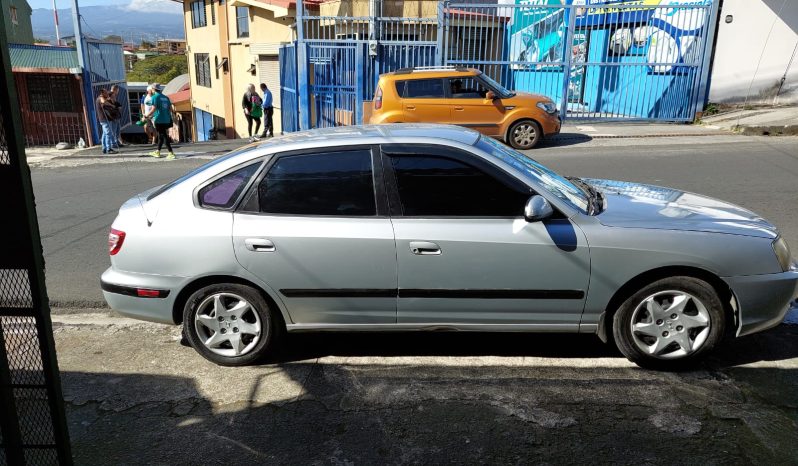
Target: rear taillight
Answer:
pixel 378 99
pixel 115 240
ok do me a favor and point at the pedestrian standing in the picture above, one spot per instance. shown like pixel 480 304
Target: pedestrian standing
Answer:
pixel 161 113
pixel 117 123
pixel 268 111
pixel 252 111
pixel 146 106
pixel 101 107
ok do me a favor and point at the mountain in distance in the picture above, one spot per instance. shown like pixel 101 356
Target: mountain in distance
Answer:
pixel 105 20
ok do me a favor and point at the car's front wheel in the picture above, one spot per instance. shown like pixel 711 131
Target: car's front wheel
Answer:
pixel 524 134
pixel 669 324
pixel 229 324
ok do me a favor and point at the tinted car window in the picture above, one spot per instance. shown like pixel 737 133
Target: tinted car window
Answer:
pixel 335 183
pixel 224 191
pixel 424 89
pixel 437 186
pixel 467 88
pixel 400 88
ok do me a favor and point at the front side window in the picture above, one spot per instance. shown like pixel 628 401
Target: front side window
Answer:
pixel 242 21
pixel 467 88
pixel 223 192
pixel 329 184
pixel 198 18
pixel 424 89
pixel 438 186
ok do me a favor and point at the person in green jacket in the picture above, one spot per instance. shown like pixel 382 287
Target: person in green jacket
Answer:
pixel 161 114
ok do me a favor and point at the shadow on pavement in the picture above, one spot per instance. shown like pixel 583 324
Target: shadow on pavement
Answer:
pixel 366 410
pixel 565 139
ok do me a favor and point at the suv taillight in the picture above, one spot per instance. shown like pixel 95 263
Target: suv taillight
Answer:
pixel 115 240
pixel 378 99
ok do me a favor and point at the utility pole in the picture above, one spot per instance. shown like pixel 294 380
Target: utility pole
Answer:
pixel 83 61
pixel 57 32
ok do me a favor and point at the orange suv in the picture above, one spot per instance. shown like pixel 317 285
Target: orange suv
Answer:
pixel 465 97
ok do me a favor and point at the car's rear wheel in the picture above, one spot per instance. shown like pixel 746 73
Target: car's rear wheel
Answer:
pixel 524 134
pixel 229 324
pixel 669 324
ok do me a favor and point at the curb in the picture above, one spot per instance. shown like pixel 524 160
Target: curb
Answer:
pixel 772 130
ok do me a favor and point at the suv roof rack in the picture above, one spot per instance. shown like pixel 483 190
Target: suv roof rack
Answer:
pixel 430 68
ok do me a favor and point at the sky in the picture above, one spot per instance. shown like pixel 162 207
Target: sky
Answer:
pixel 139 5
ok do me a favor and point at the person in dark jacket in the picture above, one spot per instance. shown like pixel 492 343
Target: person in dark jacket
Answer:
pixel 103 108
pixel 252 111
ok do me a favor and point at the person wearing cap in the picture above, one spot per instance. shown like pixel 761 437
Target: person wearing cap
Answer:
pixel 161 113
pixel 146 105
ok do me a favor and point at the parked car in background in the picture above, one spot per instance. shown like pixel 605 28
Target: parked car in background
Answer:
pixel 464 97
pixel 430 227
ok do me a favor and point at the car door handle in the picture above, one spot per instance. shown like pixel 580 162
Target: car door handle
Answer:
pixel 410 107
pixel 425 248
pixel 259 245
pixel 459 109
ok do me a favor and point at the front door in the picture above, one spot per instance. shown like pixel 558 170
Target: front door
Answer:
pixel 314 231
pixel 423 101
pixel 471 107
pixel 466 255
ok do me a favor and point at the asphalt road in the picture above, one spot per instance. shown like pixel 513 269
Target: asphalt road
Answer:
pixel 76 204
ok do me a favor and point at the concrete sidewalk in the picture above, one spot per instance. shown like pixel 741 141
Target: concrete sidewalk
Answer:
pixel 770 121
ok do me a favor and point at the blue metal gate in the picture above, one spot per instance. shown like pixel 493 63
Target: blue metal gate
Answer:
pixel 288 88
pixel 105 65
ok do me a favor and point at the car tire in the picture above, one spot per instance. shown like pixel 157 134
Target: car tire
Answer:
pixel 524 134
pixel 230 324
pixel 669 324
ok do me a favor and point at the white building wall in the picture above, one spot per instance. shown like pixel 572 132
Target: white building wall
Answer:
pixel 754 51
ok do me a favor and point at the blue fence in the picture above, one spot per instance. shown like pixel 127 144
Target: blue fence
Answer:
pixel 105 67
pixel 288 88
pixel 599 60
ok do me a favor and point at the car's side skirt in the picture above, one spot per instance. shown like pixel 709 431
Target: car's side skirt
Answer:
pixel 435 327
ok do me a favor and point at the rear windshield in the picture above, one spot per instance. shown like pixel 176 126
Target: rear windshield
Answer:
pixel 200 169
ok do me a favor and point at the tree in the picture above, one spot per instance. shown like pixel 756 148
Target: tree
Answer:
pixel 158 69
pixel 146 45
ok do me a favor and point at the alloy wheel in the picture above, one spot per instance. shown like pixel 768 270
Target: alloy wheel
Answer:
pixel 524 134
pixel 227 324
pixel 670 324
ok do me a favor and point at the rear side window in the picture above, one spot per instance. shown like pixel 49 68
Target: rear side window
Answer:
pixel 424 89
pixel 334 183
pixel 223 192
pixel 437 186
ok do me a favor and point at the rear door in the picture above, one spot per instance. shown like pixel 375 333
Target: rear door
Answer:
pixel 315 230
pixel 424 101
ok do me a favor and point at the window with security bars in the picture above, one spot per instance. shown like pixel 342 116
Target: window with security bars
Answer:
pixel 198 18
pixel 202 65
pixel 48 93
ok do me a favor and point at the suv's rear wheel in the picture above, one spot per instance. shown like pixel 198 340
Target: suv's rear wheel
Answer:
pixel 669 324
pixel 524 134
pixel 229 324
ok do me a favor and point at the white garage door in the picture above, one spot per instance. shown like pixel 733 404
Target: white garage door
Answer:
pixel 269 73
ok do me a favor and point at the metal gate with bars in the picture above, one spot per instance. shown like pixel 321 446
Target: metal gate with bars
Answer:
pixel 599 59
pixel 105 67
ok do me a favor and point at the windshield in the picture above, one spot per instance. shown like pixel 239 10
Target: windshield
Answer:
pixel 550 180
pixel 200 169
pixel 498 88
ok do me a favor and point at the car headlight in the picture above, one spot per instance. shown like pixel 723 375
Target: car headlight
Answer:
pixel 782 253
pixel 547 107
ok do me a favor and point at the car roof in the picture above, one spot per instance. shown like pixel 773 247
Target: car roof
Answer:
pixel 410 73
pixel 373 134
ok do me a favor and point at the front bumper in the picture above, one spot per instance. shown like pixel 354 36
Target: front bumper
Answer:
pixel 552 125
pixel 120 292
pixel 763 300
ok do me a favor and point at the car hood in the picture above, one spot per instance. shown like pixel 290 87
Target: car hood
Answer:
pixel 526 97
pixel 633 205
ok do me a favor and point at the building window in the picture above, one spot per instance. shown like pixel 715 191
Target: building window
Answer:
pixel 13 11
pixel 216 65
pixel 242 21
pixel 50 93
pixel 213 13
pixel 202 63
pixel 198 19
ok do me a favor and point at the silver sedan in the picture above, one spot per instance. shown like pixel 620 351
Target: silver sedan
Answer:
pixel 425 227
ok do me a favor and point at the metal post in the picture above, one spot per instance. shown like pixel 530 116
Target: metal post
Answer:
pixel 85 66
pixel 570 18
pixel 359 82
pixel 709 40
pixel 440 56
pixel 303 86
pixel 55 17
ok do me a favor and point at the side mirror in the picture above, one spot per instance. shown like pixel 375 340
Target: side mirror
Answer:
pixel 490 95
pixel 537 208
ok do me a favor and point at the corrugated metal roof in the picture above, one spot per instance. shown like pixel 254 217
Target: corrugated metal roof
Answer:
pixel 42 56
pixel 178 84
